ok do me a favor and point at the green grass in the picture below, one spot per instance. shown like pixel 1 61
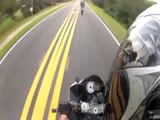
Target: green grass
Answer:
pixel 8 22
pixel 117 29
pixel 15 38
pixel 19 15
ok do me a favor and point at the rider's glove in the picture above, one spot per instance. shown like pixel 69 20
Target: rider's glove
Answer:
pixel 65 108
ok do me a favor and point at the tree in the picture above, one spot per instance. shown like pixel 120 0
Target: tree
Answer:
pixel 8 6
pixel 128 10
pixel 125 11
pixel 110 6
pixel 36 6
pixel 99 3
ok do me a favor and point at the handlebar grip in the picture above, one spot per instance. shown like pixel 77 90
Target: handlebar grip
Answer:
pixel 74 108
pixel 54 110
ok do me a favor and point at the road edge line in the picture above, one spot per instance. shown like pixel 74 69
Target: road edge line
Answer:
pixel 104 25
pixel 20 39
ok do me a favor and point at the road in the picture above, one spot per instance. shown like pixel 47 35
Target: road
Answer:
pixel 38 71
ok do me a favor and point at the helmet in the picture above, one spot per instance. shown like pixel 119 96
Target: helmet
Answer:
pixel 134 81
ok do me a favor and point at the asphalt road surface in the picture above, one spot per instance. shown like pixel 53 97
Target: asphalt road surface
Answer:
pixel 37 73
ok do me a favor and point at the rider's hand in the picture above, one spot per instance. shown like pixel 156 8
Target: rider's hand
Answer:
pixel 63 117
pixel 65 108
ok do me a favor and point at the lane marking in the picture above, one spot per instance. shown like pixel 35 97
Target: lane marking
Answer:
pixel 28 33
pixel 57 89
pixel 105 26
pixel 44 91
pixel 40 70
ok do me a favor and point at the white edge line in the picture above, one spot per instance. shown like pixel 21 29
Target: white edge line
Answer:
pixel 27 33
pixel 105 26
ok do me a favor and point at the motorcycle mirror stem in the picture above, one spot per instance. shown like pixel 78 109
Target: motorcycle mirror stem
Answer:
pixel 77 80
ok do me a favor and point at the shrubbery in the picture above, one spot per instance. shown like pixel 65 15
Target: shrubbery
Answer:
pixel 124 11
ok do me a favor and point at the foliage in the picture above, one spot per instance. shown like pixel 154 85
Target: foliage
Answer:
pixel 36 5
pixel 8 7
pixel 124 11
pixel 99 3
pixel 116 28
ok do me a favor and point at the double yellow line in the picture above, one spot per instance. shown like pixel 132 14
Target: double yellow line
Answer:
pixel 62 38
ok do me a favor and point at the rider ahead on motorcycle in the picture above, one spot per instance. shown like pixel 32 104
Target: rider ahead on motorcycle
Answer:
pixel 82 4
pixel 133 88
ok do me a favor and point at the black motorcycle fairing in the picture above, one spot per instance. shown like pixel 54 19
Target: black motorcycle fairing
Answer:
pixel 79 90
pixel 79 93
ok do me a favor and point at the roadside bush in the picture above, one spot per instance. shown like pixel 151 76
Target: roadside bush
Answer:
pixel 99 3
pixel 10 12
pixel 124 11
pixel 25 10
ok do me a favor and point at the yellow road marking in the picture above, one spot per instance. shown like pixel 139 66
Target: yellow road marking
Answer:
pixel 57 89
pixel 42 97
pixel 40 70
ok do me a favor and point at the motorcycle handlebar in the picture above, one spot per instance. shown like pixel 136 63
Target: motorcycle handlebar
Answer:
pixel 74 107
pixel 84 107
pixel 54 110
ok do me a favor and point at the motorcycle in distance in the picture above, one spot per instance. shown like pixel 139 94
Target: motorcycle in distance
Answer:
pixel 82 11
pixel 82 7
pixel 86 97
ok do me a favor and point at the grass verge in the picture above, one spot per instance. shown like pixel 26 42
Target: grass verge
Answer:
pixel 4 50
pixel 117 29
pixel 9 22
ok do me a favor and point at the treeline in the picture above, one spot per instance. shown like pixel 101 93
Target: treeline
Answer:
pixel 124 11
pixel 28 7
pixel 7 7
